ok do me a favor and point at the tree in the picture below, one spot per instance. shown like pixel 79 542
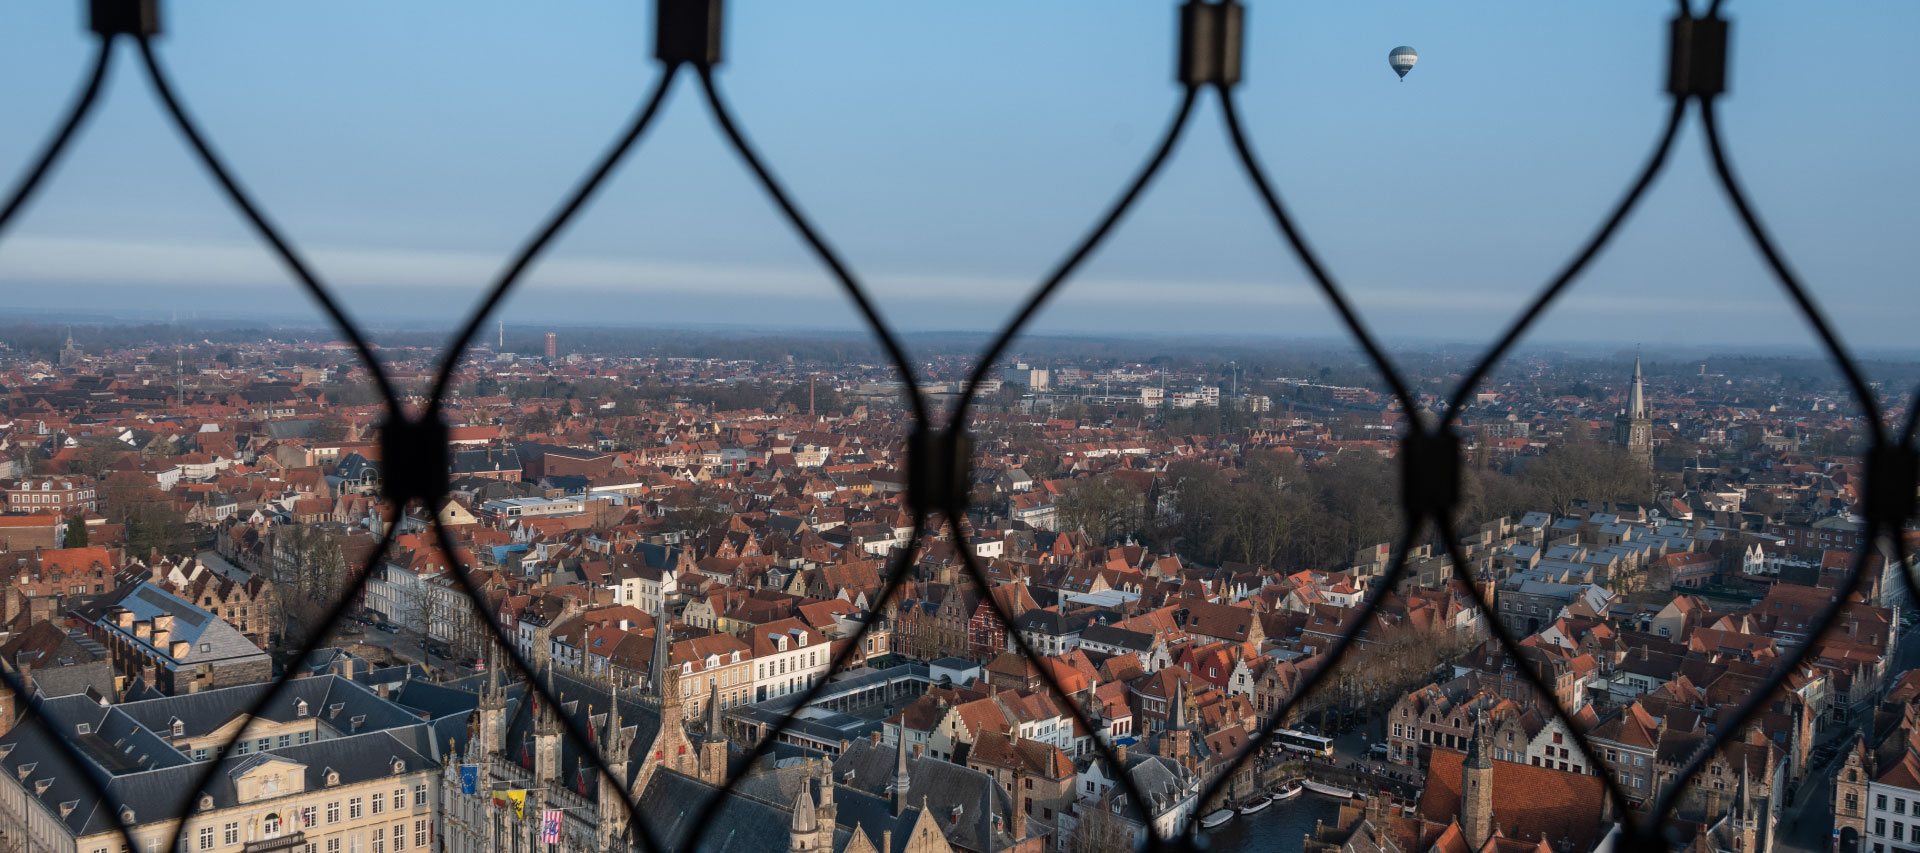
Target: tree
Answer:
pixel 1104 508
pixel 76 532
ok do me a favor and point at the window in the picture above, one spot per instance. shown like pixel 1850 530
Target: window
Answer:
pixel 270 826
pixel 1899 805
pixel 420 833
pixel 303 737
pixel 379 803
pixel 399 837
pixel 333 812
pixel 283 741
pixel 420 795
pixel 1879 828
pixel 353 808
pixel 333 845
pixel 1899 831
pixel 1880 802
pixel 379 839
pixel 308 817
pixel 230 834
pixel 399 798
pixel 206 838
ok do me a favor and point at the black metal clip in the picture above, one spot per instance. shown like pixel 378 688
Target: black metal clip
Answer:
pixel 938 467
pixel 1892 487
pixel 1697 56
pixel 137 18
pixel 1429 473
pixel 1211 42
pixel 415 462
pixel 687 31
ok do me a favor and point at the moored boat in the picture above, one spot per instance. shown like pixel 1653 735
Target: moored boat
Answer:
pixel 1329 790
pixel 1289 791
pixel 1216 819
pixel 1256 804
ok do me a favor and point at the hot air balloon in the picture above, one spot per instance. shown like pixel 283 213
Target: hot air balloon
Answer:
pixel 1402 59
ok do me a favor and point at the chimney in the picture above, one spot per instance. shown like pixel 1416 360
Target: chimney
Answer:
pixel 1120 754
pixel 179 649
pixel 876 737
pixel 143 629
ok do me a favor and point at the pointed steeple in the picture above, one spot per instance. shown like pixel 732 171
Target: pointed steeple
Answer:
pixel 1479 754
pixel 1637 394
pixel 1179 722
pixel 662 640
pixel 901 781
pixel 612 738
pixel 716 721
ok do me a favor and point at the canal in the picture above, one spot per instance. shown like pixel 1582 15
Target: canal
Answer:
pixel 1281 828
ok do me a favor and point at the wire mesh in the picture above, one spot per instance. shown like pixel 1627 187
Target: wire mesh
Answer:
pixel 1210 59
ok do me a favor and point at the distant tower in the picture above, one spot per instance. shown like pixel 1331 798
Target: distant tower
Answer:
pixel 1476 788
pixel 1631 429
pixel 502 344
pixel 71 354
pixel 553 345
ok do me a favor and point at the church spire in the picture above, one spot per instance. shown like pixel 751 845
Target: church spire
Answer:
pixel 901 781
pixel 716 721
pixel 1637 394
pixel 662 640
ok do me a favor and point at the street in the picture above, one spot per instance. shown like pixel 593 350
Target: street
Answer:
pixel 1806 824
pixel 404 646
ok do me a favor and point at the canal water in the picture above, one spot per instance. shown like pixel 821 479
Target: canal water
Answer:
pixel 1281 828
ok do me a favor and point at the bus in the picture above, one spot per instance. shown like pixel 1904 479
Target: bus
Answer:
pixel 1303 742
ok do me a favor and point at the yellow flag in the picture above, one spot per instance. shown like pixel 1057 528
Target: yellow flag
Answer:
pixel 519 801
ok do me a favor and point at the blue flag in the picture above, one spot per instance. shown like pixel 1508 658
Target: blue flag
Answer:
pixel 469 778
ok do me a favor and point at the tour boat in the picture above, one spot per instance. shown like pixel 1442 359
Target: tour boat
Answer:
pixel 1217 818
pixel 1291 790
pixel 1256 804
pixel 1329 790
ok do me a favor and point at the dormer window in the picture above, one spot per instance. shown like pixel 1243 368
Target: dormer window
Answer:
pixel 179 728
pixel 41 786
pixel 26 770
pixel 300 708
pixel 206 802
pixel 332 776
pixel 83 728
pixel 399 766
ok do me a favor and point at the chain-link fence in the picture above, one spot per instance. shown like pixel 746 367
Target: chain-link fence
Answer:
pixel 415 454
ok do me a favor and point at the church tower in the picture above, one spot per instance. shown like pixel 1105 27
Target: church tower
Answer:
pixel 547 733
pixel 493 713
pixel 1631 428
pixel 713 741
pixel 616 745
pixel 1476 788
pixel 1177 742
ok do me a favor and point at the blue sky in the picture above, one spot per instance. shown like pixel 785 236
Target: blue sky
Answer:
pixel 953 156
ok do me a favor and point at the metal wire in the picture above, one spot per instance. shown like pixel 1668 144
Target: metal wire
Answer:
pixel 1643 828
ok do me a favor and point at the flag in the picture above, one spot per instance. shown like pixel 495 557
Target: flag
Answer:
pixel 519 801
pixel 469 778
pixel 498 801
pixel 550 826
